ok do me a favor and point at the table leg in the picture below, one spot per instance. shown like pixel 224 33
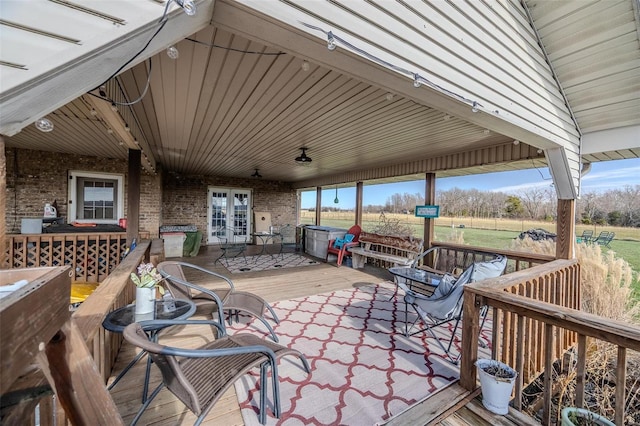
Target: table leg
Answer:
pixel 127 368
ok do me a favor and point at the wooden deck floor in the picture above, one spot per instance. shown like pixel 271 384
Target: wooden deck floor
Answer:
pixel 275 286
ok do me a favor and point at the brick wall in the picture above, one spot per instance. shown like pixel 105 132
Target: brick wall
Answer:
pixel 185 201
pixel 35 178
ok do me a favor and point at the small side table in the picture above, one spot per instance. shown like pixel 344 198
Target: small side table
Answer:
pixel 117 320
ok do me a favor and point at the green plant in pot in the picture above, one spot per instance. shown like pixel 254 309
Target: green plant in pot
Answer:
pixel 572 416
pixel 496 380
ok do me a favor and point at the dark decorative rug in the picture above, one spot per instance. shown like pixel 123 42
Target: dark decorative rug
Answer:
pixel 267 262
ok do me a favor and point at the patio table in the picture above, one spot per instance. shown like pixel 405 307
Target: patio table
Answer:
pixel 117 320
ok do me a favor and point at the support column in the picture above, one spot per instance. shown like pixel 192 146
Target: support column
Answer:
pixel 318 204
pixel 133 196
pixel 566 229
pixel 3 206
pixel 430 200
pixel 359 192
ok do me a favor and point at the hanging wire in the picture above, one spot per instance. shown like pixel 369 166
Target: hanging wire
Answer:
pixel 252 52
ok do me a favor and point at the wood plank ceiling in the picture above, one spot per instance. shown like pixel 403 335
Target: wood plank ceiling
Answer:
pixel 229 105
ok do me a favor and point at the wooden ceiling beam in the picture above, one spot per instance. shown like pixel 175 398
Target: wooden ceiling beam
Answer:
pixel 114 120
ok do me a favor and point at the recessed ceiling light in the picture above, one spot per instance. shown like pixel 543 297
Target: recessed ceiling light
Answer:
pixel 44 125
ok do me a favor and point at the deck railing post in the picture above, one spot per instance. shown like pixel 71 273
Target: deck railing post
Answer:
pixel 470 331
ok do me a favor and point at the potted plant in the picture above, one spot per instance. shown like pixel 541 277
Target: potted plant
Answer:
pixel 572 416
pixel 497 381
pixel 147 280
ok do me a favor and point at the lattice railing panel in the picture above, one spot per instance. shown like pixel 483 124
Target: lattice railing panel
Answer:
pixel 92 256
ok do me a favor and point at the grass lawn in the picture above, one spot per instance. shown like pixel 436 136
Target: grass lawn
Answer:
pixel 627 249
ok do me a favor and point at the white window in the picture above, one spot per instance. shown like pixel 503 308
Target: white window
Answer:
pixel 95 197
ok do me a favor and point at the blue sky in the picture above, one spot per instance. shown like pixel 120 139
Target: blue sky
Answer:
pixel 604 175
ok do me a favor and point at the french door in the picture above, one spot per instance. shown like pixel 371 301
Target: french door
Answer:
pixel 229 214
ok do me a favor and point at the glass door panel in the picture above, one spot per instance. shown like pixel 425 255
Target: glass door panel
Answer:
pixel 228 210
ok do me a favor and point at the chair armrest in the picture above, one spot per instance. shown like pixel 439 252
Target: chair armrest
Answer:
pixel 417 260
pixel 154 325
pixel 203 290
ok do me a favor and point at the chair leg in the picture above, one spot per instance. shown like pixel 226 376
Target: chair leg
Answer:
pixel 262 414
pixel 155 392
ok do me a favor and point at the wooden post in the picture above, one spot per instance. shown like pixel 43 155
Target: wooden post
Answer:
pixel 470 332
pixel 69 367
pixel 429 199
pixel 359 193
pixel 133 196
pixel 318 204
pixel 566 229
pixel 3 206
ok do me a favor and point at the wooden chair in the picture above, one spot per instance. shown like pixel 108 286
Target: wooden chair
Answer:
pixel 199 377
pixel 341 248
pixel 231 300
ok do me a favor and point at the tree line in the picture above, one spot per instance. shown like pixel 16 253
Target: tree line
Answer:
pixel 618 207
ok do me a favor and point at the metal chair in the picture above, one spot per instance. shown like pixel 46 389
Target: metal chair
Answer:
pixel 199 377
pixel 231 245
pixel 586 237
pixel 287 237
pixel 445 304
pixel 604 238
pixel 231 300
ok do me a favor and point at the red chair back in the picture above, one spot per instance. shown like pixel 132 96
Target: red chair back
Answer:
pixel 355 230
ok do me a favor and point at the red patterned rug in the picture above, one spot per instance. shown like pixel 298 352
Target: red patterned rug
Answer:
pixel 364 370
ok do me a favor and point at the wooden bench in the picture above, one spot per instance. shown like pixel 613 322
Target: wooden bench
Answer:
pixel 398 251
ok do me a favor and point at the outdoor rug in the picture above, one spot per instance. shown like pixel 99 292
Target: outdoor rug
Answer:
pixel 363 369
pixel 266 262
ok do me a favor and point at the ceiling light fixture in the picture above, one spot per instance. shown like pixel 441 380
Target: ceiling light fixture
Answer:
pixel 44 125
pixel 416 80
pixel 302 158
pixel 188 6
pixel 389 97
pixel 305 66
pixel 475 107
pixel 331 42
pixel 256 174
pixel 173 52
pixel 516 142
pixel 336 200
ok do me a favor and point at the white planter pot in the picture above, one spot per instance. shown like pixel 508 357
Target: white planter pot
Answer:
pixel 145 300
pixel 496 392
pixel 596 419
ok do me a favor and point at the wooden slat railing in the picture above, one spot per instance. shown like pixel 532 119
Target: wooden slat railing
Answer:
pixel 517 260
pixel 534 309
pixel 114 292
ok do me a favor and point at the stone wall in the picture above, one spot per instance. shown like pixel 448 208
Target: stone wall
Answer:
pixel 34 178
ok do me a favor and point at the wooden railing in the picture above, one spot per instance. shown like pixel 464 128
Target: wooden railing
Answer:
pixel 536 319
pixel 91 256
pixel 517 260
pixel 114 292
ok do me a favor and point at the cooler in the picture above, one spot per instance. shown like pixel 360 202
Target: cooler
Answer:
pixel 173 242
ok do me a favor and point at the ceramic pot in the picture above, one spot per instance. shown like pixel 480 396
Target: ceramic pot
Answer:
pixel 496 391
pixel 145 300
pixel 596 419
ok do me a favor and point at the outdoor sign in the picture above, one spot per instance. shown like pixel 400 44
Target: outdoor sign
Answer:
pixel 429 212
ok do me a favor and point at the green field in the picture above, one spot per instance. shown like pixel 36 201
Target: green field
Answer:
pixel 492 233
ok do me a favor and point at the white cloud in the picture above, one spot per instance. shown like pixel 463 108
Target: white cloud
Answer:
pixel 523 187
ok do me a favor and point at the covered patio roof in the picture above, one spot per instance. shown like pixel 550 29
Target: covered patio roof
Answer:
pixel 254 83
